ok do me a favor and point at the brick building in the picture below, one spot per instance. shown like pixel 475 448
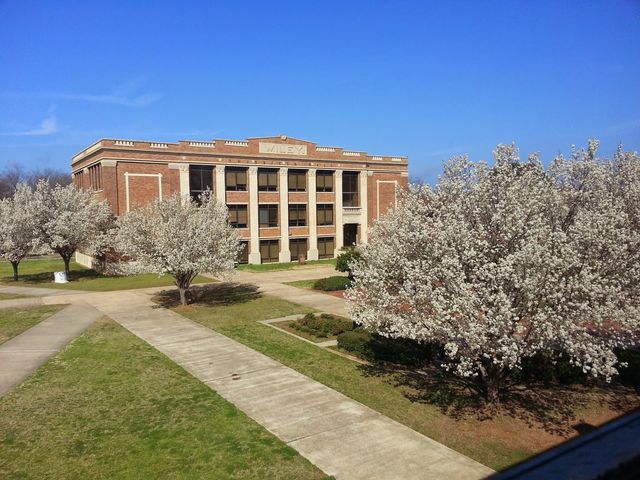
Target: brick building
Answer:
pixel 287 197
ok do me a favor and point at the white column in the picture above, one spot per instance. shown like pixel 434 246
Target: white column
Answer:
pixel 337 186
pixel 221 184
pixel 312 254
pixel 283 187
pixel 364 215
pixel 254 226
pixel 183 170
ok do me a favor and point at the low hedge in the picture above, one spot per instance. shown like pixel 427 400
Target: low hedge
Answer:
pixel 331 284
pixel 376 348
pixel 322 326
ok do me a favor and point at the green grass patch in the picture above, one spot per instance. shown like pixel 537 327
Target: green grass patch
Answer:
pixel 328 284
pixel 332 284
pixel 380 391
pixel 11 296
pixel 302 283
pixel 39 273
pixel 14 321
pixel 271 267
pixel 111 407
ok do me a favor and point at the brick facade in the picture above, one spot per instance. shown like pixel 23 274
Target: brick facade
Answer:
pixel 130 173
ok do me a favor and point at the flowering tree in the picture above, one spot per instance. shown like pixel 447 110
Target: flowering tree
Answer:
pixel 17 224
pixel 500 263
pixel 66 219
pixel 178 237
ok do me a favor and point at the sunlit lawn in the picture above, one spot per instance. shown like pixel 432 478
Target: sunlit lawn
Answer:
pixel 39 273
pixel 111 407
pixel 497 442
pixel 270 267
pixel 14 321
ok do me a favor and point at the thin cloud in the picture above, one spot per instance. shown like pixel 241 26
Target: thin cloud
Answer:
pixel 110 99
pixel 48 126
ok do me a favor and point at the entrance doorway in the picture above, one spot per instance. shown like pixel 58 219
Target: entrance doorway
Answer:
pixel 350 234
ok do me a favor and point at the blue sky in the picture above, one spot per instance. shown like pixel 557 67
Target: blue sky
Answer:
pixel 423 79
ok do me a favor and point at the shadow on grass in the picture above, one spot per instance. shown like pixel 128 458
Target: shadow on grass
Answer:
pixel 549 407
pixel 47 277
pixel 214 294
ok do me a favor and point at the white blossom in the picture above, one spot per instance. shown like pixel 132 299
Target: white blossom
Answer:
pixel 16 226
pixel 499 263
pixel 67 219
pixel 178 237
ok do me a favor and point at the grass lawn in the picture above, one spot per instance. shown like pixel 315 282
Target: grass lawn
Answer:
pixel 10 296
pixel 270 267
pixel 14 321
pixel 111 407
pixel 497 442
pixel 303 283
pixel 39 273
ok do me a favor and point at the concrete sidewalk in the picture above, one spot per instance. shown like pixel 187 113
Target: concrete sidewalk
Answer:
pixel 21 302
pixel 341 436
pixel 272 283
pixel 22 355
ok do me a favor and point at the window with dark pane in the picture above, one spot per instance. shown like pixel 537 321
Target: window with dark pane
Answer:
pixel 297 215
pixel 297 180
pixel 238 216
pixel 269 250
pixel 350 189
pixel 236 179
pixel 298 247
pixel 324 181
pixel 326 246
pixel 268 179
pixel 201 179
pixel 268 215
pixel 324 214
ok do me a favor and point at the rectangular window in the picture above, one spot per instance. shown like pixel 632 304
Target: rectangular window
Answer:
pixel 324 214
pixel 267 179
pixel 243 256
pixel 201 179
pixel 238 216
pixel 269 250
pixel 298 247
pixel 324 181
pixel 350 189
pixel 268 215
pixel 297 215
pixel 236 179
pixel 297 180
pixel 326 246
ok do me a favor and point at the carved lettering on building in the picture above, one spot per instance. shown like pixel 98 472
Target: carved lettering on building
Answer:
pixel 282 149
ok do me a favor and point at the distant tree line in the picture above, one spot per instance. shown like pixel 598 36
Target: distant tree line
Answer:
pixel 15 174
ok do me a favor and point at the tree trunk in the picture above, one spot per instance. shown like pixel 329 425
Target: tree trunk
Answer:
pixel 67 260
pixel 491 377
pixel 183 295
pixel 15 270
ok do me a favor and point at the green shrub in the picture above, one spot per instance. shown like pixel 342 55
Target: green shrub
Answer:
pixel 323 326
pixel 331 284
pixel 343 260
pixel 630 375
pixel 376 348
